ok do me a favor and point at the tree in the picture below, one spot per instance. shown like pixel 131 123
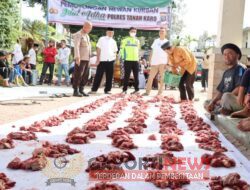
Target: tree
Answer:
pixel 177 24
pixel 188 39
pixel 206 42
pixel 10 25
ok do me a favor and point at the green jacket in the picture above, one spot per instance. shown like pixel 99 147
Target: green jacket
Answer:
pixel 129 49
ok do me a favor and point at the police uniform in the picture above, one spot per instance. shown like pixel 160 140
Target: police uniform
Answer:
pixel 130 54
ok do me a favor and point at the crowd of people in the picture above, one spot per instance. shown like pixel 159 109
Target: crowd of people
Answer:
pixel 232 98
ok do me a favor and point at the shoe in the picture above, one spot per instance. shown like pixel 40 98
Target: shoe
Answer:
pixel 92 92
pixel 77 94
pixel 224 111
pixel 107 92
pixel 135 92
pixel 83 93
pixel 124 92
pixel 145 94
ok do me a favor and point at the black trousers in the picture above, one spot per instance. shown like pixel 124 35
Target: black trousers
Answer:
pixel 204 78
pixel 128 67
pixel 44 70
pixel 81 74
pixel 4 72
pixel 106 67
pixel 186 86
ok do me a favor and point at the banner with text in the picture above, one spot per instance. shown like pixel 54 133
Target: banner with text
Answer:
pixel 61 11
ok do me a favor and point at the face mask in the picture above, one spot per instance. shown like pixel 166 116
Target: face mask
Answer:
pixel 132 34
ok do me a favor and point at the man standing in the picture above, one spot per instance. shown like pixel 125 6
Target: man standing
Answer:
pixel 82 47
pixel 106 55
pixel 129 50
pixel 158 61
pixel 32 54
pixel 17 53
pixel 183 58
pixel 49 54
pixel 63 59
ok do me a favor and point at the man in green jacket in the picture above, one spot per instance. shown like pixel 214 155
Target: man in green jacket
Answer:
pixel 129 51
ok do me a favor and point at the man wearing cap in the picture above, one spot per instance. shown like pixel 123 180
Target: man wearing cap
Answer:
pixel 49 54
pixel 228 88
pixel 106 55
pixel 129 52
pixel 82 49
pixel 183 58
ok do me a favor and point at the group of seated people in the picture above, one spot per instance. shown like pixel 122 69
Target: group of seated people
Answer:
pixel 13 75
pixel 233 92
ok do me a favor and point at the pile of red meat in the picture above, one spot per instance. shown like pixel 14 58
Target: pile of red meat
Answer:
pixel 36 127
pixel 160 160
pixel 167 122
pixel 79 136
pixel 6 143
pixel 231 181
pixel 35 163
pixel 5 182
pixel 82 136
pixel 54 150
pixel 109 162
pixel 70 114
pixel 96 104
pixel 22 136
pixel 162 180
pixel 206 138
pixel 171 143
pixel 101 123
pixel 218 159
pixel 121 136
pixel 39 126
pixel 106 186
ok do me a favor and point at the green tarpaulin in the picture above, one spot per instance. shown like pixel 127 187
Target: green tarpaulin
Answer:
pixel 123 3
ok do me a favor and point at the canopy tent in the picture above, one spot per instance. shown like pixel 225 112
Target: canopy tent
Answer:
pixel 123 3
pixel 142 14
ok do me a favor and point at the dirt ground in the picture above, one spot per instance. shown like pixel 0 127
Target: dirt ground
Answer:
pixel 14 110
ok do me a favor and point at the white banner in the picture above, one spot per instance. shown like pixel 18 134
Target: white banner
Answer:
pixel 61 11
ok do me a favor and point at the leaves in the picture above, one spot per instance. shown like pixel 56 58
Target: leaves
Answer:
pixel 10 25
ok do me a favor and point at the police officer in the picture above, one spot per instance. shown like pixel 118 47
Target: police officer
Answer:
pixel 129 51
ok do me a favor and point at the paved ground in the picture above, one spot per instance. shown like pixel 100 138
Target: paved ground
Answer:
pixel 22 102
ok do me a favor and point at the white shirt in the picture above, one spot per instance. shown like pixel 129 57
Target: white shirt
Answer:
pixel 32 55
pixel 18 54
pixel 108 48
pixel 159 56
pixel 63 55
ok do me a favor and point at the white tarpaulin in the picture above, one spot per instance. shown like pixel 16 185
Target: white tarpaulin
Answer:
pixel 118 17
pixel 27 180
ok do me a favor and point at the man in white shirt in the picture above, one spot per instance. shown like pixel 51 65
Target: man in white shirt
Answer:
pixel 158 62
pixel 17 53
pixel 106 55
pixel 63 63
pixel 32 55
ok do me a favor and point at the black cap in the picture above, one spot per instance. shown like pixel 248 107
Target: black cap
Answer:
pixel 3 53
pixel 233 47
pixel 110 29
pixel 166 45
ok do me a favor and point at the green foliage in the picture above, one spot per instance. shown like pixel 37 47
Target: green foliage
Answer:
pixel 177 24
pixel 37 31
pixel 10 27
